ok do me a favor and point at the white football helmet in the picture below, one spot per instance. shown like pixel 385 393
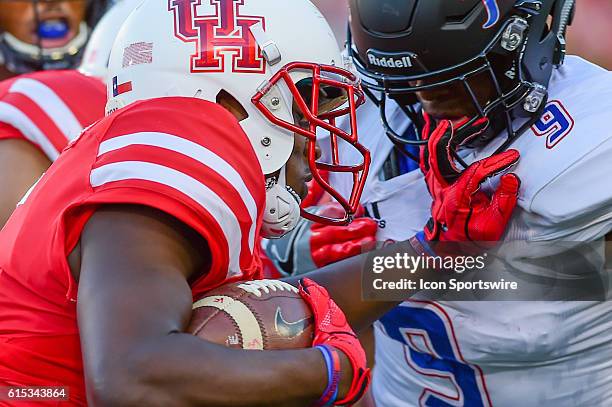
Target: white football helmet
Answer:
pixel 97 53
pixel 280 61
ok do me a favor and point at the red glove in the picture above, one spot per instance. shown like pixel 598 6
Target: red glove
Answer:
pixel 462 212
pixel 331 328
pixel 329 244
pixel 313 245
pixel 442 141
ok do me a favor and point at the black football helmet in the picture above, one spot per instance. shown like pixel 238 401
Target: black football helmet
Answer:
pixel 19 57
pixel 397 45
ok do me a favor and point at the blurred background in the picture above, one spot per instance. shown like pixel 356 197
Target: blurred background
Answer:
pixel 590 36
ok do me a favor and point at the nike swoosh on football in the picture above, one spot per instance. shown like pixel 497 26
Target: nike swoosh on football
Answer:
pixel 289 329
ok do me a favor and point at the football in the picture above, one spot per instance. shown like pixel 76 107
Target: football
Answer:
pixel 259 314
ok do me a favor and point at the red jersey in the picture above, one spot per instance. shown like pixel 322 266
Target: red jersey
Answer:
pixel 185 156
pixel 50 108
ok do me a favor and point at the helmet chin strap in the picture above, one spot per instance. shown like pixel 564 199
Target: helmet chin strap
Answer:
pixel 282 212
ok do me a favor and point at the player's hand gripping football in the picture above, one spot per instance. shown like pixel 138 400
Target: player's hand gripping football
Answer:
pixel 460 211
pixel 332 329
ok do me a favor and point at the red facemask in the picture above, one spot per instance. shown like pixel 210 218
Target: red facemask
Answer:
pixel 310 104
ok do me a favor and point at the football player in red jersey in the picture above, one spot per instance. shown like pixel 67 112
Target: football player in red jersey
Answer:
pixel 41 112
pixel 211 143
pixel 178 180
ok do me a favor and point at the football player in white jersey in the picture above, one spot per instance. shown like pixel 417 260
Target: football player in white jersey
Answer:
pixel 502 61
pixel 502 66
pixel 222 155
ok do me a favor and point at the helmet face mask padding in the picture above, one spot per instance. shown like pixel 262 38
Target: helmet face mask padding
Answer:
pixel 444 43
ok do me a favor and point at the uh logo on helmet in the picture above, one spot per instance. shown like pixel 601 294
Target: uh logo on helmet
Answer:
pixel 224 31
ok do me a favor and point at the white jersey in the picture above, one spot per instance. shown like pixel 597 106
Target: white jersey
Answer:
pixel 507 353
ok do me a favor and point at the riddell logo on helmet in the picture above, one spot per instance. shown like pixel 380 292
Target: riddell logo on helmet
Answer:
pixel 226 32
pixel 386 60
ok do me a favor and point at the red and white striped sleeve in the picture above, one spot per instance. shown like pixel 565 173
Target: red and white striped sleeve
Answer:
pixel 49 109
pixel 197 169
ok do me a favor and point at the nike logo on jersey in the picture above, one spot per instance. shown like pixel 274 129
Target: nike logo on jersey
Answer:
pixel 289 329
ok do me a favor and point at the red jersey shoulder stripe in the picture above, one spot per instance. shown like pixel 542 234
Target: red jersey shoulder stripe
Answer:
pixel 40 115
pixel 51 104
pixel 195 151
pixel 132 166
pixel 13 116
pixel 183 183
pixel 85 96
pixel 201 122
pixel 200 219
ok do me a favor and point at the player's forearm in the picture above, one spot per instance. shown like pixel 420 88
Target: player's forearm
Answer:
pixel 182 370
pixel 343 281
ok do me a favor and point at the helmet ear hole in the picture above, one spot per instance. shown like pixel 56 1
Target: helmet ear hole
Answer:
pixel 230 103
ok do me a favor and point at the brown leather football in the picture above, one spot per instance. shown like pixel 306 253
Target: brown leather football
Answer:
pixel 259 314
